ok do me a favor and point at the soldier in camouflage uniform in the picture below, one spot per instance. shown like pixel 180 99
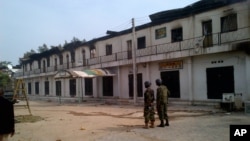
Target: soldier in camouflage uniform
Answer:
pixel 161 102
pixel 149 113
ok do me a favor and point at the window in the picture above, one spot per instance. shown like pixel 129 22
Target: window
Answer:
pixel 46 87
pixel 129 46
pixel 176 35
pixel 29 88
pixel 92 53
pixel 39 64
pixel 25 67
pixel 55 64
pixel 229 23
pixel 141 42
pixel 48 62
pixel 108 49
pixel 61 59
pixel 207 33
pixel 160 33
pixel 72 56
pixel 44 66
pixel 37 87
pixel 83 58
pixel 30 67
pixel 67 59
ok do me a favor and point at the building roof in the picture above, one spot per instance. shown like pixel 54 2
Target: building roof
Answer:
pixel 171 15
pixel 195 8
pixel 156 19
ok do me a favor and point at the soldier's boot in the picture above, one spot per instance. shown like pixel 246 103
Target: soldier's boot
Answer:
pixel 162 124
pixel 167 124
pixel 152 124
pixel 146 125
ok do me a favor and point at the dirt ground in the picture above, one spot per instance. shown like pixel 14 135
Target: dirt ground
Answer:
pixel 51 121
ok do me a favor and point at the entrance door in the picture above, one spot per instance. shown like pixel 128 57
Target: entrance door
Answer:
pixel 172 81
pixel 72 87
pixel 88 86
pixel 58 88
pixel 139 85
pixel 46 87
pixel 219 80
pixel 107 83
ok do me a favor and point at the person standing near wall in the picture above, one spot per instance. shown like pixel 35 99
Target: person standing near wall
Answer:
pixel 161 102
pixel 149 112
pixel 7 120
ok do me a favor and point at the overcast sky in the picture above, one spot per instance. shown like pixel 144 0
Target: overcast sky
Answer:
pixel 28 24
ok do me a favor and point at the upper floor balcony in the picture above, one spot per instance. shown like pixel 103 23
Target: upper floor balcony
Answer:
pixel 193 46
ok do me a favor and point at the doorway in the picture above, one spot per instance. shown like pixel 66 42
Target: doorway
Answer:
pixel 207 33
pixel 219 80
pixel 171 79
pixel 58 88
pixel 88 86
pixel 107 83
pixel 131 85
pixel 72 87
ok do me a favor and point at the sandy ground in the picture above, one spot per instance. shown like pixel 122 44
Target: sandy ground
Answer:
pixel 101 122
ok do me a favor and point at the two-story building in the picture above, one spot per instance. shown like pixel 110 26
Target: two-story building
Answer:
pixel 200 52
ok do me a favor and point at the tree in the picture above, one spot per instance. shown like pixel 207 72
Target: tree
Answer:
pixel 42 48
pixel 4 79
pixel 4 73
pixel 74 40
pixel 5 63
pixel 27 54
pixel 84 41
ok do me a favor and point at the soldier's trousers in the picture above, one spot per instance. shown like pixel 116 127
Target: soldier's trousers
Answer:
pixel 149 114
pixel 162 111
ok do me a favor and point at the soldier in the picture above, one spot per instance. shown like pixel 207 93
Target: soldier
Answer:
pixel 161 102
pixel 149 113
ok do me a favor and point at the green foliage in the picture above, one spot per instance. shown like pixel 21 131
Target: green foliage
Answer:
pixel 42 48
pixel 4 79
pixel 27 54
pixel 5 63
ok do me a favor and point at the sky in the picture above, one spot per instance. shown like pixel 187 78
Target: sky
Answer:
pixel 28 24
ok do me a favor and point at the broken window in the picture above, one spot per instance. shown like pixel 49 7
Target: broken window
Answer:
pixel 229 23
pixel 108 49
pixel 141 42
pixel 92 53
pixel 72 53
pixel 83 58
pixel 207 33
pixel 176 35
pixel 61 59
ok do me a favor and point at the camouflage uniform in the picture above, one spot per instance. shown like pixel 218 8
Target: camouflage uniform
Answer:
pixel 149 112
pixel 161 102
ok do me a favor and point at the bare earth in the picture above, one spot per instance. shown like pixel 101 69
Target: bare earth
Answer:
pixel 51 121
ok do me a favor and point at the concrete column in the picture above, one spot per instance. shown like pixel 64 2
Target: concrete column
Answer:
pixel 247 95
pixel 190 80
pixel 120 93
pixel 83 87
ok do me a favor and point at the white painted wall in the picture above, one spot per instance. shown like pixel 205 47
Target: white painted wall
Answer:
pixel 200 63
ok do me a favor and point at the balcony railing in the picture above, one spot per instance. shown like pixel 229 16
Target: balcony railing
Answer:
pixel 205 41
